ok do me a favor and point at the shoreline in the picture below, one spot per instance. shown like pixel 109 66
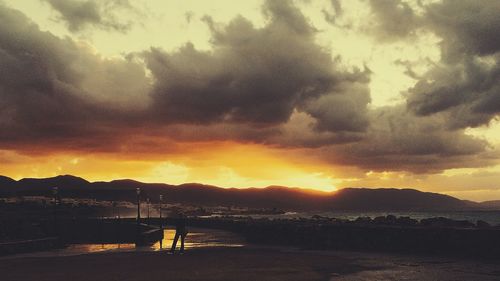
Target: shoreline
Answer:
pixel 247 263
pixel 197 238
pixel 382 234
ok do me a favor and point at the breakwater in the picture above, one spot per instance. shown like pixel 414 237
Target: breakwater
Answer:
pixel 107 231
pixel 430 236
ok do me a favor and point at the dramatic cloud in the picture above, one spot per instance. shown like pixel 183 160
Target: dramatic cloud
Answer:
pixel 399 140
pixel 79 14
pixel 271 84
pixel 393 19
pixel 58 89
pixel 466 26
pixel 52 88
pixel 466 83
pixel 258 76
pixel 469 91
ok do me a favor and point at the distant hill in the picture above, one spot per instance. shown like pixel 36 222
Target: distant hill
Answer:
pixel 395 199
pixel 6 180
pixel 66 181
pixel 491 204
pixel 5 184
pixel 349 199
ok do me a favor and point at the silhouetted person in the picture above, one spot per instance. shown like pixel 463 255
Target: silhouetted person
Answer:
pixel 180 231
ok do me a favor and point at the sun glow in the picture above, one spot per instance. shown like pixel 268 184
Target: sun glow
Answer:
pixel 222 164
pixel 154 101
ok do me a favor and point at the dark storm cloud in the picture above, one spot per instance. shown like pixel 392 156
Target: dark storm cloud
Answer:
pixel 396 140
pixel 258 76
pixel 466 83
pixel 468 90
pixel 55 89
pixel 299 132
pixel 344 109
pixel 389 138
pixel 79 14
pixel 393 19
pixel 35 81
pixel 467 26
pixel 271 85
pixel 399 140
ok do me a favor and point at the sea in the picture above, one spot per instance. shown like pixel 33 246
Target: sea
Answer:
pixel 491 217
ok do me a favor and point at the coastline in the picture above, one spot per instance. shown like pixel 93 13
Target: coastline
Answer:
pixel 247 263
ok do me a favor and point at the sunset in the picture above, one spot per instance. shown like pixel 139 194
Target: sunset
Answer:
pixel 312 99
pixel 335 95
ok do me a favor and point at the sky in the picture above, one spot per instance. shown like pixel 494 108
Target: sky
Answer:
pixel 320 94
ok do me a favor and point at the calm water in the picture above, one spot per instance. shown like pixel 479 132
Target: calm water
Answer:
pixel 492 217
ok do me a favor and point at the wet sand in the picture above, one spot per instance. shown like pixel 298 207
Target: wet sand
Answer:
pixel 245 263
pixel 197 238
pixel 211 256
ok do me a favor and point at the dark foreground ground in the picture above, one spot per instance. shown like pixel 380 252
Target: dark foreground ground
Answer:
pixel 245 263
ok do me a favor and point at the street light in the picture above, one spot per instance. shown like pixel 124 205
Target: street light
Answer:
pixel 161 205
pixel 138 191
pixel 55 191
pixel 148 204
pixel 113 207
pixel 161 222
pixel 138 227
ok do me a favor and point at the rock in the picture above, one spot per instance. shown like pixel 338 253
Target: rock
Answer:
pixel 379 220
pixel 464 223
pixel 406 221
pixel 318 217
pixel 445 222
pixel 363 220
pixel 387 220
pixel 391 219
pixel 482 224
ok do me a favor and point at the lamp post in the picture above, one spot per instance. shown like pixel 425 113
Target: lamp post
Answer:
pixel 161 205
pixel 138 191
pixel 118 211
pixel 55 191
pixel 138 226
pixel 161 222
pixel 148 204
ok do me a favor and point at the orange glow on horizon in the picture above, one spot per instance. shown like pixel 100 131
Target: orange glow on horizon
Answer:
pixel 236 165
pixel 224 164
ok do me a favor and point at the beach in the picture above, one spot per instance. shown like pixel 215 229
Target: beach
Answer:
pixel 222 261
pixel 216 254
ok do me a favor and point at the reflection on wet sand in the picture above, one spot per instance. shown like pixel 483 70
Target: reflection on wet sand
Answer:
pixel 94 248
pixel 196 238
pixel 201 238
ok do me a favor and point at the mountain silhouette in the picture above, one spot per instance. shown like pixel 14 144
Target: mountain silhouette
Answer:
pixel 349 199
pixel 5 185
pixel 494 204
pixel 6 180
